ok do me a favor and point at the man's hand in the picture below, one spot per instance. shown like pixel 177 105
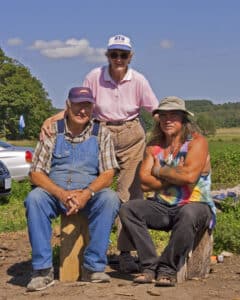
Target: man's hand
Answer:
pixel 156 167
pixel 77 201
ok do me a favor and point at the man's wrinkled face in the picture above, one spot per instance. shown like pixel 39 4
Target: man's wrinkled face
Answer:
pixel 79 112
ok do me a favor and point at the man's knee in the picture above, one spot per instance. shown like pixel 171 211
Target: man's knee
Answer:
pixel 35 198
pixel 195 214
pixel 31 198
pixel 130 208
pixel 124 211
pixel 109 199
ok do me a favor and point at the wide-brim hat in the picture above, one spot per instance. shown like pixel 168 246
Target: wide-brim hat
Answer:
pixel 172 103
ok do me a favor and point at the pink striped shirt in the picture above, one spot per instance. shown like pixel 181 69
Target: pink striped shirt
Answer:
pixel 120 101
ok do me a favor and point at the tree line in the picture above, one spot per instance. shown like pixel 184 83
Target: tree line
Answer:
pixel 23 94
pixel 215 115
pixel 207 115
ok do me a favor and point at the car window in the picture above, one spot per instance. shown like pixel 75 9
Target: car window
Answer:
pixel 5 145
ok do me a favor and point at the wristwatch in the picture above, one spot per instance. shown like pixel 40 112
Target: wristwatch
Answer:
pixel 91 191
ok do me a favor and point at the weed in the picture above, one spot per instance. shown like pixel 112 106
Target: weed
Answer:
pixel 227 232
pixel 12 212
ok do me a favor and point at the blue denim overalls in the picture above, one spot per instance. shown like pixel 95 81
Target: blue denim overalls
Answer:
pixel 74 166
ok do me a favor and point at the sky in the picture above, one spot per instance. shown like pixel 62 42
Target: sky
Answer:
pixel 186 48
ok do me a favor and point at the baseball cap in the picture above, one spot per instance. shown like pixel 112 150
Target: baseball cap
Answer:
pixel 120 42
pixel 80 94
pixel 172 103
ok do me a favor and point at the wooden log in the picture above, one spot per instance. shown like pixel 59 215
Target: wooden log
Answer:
pixel 73 240
pixel 197 265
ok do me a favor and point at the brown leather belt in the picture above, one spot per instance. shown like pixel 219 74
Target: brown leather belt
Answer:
pixel 118 123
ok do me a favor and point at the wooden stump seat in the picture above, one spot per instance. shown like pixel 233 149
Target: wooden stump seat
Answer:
pixel 73 239
pixel 197 264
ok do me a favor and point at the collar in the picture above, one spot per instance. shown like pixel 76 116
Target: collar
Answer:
pixel 107 76
pixel 67 131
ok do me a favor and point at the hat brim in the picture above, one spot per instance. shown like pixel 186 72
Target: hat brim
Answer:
pixel 79 100
pixel 119 47
pixel 186 111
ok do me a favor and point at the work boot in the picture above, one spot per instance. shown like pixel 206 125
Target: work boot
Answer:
pixel 95 277
pixel 41 279
pixel 127 263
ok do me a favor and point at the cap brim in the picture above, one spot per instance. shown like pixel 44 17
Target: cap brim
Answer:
pixel 158 110
pixel 119 47
pixel 79 100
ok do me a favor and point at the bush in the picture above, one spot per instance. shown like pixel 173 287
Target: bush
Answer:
pixel 225 161
pixel 227 231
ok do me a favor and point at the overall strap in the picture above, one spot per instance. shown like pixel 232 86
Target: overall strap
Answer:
pixel 95 129
pixel 60 125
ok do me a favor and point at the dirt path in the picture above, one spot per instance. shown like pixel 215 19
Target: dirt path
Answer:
pixel 222 283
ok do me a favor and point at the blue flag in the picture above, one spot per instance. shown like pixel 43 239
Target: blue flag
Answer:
pixel 21 124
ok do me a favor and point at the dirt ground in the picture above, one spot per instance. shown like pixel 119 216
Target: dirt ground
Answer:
pixel 15 266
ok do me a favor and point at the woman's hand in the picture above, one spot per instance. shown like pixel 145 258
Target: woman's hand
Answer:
pixel 46 129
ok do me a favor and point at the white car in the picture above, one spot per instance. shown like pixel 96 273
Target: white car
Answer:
pixel 17 159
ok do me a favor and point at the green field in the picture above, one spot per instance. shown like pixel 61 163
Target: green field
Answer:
pixel 228 134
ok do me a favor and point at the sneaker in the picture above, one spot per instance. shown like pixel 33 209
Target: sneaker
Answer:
pixel 127 264
pixel 95 277
pixel 41 279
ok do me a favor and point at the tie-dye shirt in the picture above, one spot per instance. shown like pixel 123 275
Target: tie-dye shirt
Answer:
pixel 181 195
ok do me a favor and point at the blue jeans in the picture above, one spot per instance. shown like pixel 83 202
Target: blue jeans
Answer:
pixel 41 208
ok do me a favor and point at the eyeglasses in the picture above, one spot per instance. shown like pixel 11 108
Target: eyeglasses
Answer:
pixel 115 55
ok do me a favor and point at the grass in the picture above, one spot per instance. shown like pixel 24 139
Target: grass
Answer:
pixel 24 143
pixel 225 161
pixel 227 134
pixel 12 212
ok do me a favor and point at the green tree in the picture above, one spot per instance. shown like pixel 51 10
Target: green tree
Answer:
pixel 206 124
pixel 147 119
pixel 21 94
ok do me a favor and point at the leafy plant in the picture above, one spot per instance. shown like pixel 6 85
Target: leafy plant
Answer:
pixel 227 231
pixel 225 161
pixel 12 212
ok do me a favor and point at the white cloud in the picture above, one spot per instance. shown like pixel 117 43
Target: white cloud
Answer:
pixel 166 44
pixel 70 48
pixel 40 44
pixel 14 41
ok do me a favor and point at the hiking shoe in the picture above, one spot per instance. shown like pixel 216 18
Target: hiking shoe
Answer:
pixel 41 279
pixel 95 277
pixel 127 264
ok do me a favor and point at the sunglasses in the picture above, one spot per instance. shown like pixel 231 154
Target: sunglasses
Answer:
pixel 115 55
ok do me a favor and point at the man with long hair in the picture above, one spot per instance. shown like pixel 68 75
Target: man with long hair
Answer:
pixel 176 166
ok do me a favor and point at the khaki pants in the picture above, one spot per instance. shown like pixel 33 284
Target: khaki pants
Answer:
pixel 129 143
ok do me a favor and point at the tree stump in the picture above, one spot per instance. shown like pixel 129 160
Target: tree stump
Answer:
pixel 197 265
pixel 73 239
